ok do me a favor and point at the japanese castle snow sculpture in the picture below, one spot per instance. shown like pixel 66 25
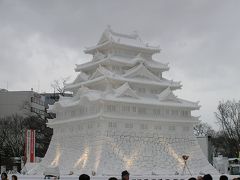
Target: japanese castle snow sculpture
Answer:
pixel 123 115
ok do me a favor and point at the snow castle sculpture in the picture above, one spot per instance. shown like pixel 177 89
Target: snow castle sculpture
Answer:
pixel 124 115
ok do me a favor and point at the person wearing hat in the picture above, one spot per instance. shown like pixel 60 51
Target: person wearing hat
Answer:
pixel 125 175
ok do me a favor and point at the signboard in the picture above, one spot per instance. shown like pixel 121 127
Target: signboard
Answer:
pixel 30 145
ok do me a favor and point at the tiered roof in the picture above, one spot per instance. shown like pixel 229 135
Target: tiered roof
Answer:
pixel 136 71
pixel 122 61
pixel 127 95
pixel 100 76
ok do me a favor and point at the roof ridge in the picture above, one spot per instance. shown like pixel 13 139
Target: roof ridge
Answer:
pixel 134 35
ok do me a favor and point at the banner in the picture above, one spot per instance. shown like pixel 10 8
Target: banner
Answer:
pixel 30 145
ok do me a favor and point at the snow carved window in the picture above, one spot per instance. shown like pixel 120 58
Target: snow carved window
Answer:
pixel 141 110
pixel 92 109
pixel 171 128
pixel 144 126
pixel 90 125
pixel 83 110
pixel 167 112
pixel 185 113
pixel 154 91
pixel 72 113
pixel 112 124
pixel 80 127
pixel 134 109
pixel 141 90
pixel 156 111
pixel 111 108
pixel 126 108
pixel 116 68
pixel 158 127
pixel 174 112
pixel 129 125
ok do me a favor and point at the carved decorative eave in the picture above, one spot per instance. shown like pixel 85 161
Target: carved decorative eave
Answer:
pixel 80 78
pixel 151 64
pixel 117 45
pixel 125 91
pixel 82 91
pixel 191 120
pixel 152 102
pixel 118 79
pixel 98 56
pixel 167 95
pixel 51 122
pixel 101 71
pixel 94 97
pixel 142 71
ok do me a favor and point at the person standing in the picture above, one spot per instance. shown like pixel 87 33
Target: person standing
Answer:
pixel 4 176
pixel 125 175
pixel 14 177
pixel 84 177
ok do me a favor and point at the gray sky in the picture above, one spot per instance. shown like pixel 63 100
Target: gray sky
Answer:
pixel 41 41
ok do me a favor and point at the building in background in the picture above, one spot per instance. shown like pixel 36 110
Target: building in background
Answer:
pixel 23 103
pixel 50 99
pixel 27 104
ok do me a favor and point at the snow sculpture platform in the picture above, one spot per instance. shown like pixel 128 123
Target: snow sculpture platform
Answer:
pixel 123 116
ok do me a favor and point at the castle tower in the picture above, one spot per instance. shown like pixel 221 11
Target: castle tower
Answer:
pixel 124 115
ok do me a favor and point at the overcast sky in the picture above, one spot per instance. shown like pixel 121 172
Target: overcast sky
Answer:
pixel 41 41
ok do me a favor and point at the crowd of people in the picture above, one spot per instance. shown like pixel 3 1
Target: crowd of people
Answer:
pixel 208 177
pixel 4 176
pixel 125 176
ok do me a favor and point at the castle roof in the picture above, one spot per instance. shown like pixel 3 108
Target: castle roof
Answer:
pixel 124 61
pixel 126 94
pixel 100 77
pixel 132 41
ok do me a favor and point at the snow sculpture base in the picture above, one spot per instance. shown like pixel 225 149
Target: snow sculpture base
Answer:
pixel 108 151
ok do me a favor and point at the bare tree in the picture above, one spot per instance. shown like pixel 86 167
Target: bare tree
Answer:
pixel 228 117
pixel 58 85
pixel 12 135
pixel 12 132
pixel 203 129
